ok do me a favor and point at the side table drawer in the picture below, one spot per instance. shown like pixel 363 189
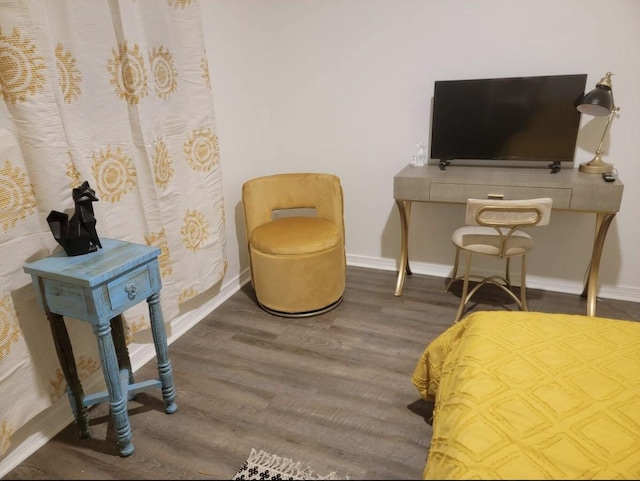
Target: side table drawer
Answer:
pixel 129 288
pixel 66 299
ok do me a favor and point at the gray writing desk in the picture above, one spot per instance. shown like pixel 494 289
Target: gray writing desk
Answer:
pixel 570 189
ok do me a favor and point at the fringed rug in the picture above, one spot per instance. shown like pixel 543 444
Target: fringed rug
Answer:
pixel 262 465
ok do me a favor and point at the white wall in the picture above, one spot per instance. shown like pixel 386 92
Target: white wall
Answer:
pixel 344 86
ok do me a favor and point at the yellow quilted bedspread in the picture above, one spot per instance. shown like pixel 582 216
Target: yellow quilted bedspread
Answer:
pixel 527 395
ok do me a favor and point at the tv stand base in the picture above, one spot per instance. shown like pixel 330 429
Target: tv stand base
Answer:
pixel 555 167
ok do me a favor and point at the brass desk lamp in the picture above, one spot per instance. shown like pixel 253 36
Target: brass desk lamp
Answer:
pixel 599 102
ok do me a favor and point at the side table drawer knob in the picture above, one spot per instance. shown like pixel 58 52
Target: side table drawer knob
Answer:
pixel 131 290
pixel 129 287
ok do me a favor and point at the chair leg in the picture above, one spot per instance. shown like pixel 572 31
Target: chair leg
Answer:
pixel 455 269
pixel 507 277
pixel 465 288
pixel 523 284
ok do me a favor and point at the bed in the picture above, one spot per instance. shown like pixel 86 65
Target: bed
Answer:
pixel 529 395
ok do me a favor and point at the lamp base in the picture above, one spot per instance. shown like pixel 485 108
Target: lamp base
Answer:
pixel 596 166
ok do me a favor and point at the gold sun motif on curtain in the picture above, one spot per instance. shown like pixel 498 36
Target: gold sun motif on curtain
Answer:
pixel 135 325
pixel 128 74
pixel 178 3
pixel 72 173
pixel 162 164
pixel 6 431
pixel 204 66
pixel 68 75
pixel 159 239
pixel 164 72
pixel 22 71
pixel 9 330
pixel 194 230
pixel 114 173
pixel 85 366
pixel 187 294
pixel 202 150
pixel 17 199
pixel 57 385
pixel 225 266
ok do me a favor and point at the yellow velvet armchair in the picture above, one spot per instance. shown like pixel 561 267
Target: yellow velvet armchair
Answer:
pixel 295 234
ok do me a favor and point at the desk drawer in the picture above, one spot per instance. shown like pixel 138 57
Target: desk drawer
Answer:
pixel 459 193
pixel 130 287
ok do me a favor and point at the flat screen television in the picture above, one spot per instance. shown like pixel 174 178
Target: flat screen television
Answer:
pixel 517 118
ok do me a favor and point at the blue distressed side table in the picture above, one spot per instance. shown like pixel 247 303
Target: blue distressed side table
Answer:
pixel 97 288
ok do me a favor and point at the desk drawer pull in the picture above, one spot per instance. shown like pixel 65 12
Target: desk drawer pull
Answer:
pixel 131 290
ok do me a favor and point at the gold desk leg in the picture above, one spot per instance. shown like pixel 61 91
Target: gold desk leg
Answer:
pixel 603 221
pixel 404 207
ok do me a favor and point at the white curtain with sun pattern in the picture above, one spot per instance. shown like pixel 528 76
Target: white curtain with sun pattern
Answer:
pixel 117 93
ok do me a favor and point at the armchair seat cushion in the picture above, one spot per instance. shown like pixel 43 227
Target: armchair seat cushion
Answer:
pixel 295 236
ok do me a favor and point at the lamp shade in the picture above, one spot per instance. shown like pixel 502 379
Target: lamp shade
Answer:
pixel 598 102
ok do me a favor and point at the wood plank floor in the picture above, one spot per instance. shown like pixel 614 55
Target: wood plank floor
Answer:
pixel 332 391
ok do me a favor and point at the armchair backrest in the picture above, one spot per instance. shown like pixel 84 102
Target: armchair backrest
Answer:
pixel 263 195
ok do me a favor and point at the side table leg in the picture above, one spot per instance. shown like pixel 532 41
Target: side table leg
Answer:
pixel 117 398
pixel 120 343
pixel 162 353
pixel 68 365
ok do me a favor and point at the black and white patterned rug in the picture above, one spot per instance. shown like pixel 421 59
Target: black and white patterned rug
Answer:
pixel 261 466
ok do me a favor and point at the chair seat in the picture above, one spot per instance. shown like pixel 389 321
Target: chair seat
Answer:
pixel 484 240
pixel 295 236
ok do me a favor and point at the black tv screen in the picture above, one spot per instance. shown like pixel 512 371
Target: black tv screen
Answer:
pixel 518 118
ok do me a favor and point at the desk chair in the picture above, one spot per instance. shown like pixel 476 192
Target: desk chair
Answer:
pixel 493 228
pixel 298 260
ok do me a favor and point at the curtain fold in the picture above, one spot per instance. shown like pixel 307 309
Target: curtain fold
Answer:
pixel 117 93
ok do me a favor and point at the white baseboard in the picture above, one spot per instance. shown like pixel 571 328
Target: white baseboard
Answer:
pixel 619 293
